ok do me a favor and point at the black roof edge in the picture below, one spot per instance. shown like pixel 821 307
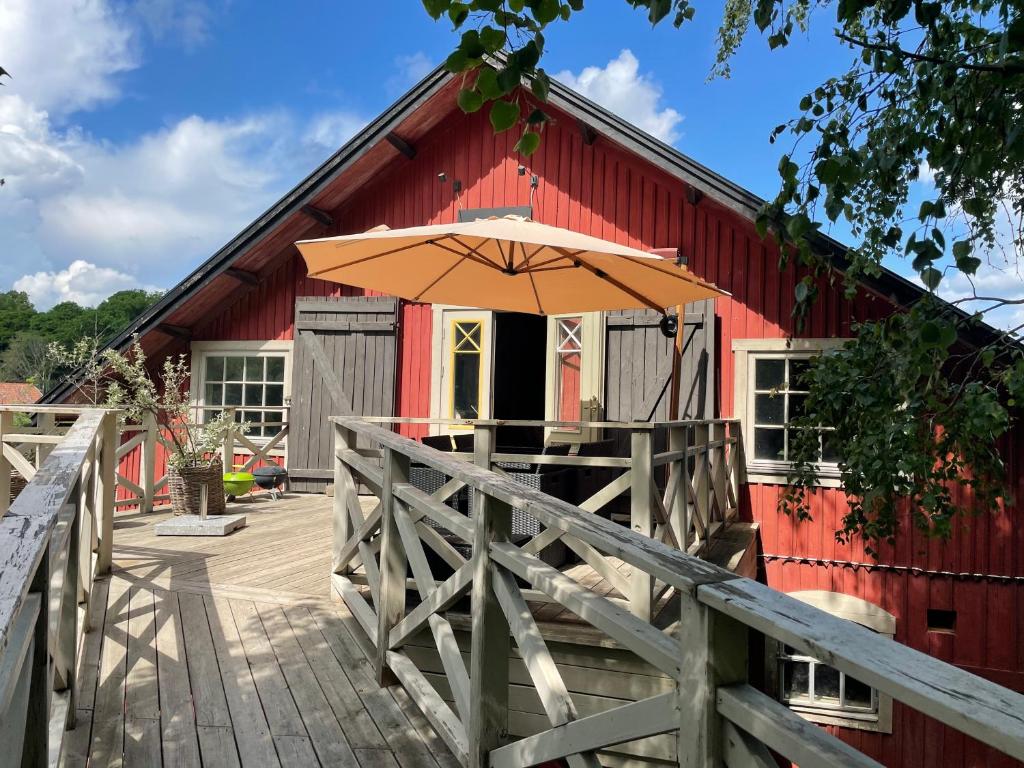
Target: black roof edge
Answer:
pixel 292 201
pixel 887 284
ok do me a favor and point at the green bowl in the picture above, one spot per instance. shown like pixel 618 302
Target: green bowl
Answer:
pixel 238 483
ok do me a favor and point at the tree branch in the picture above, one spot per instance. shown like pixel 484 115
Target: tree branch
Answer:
pixel 1002 69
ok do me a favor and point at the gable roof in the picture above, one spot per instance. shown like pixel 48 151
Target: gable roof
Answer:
pixel 386 138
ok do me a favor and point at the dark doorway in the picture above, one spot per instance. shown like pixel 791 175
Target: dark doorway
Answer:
pixel 520 358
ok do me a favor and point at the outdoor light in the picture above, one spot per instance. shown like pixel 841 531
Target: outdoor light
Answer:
pixel 669 326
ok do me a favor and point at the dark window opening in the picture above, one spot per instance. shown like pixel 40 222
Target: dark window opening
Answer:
pixel 941 620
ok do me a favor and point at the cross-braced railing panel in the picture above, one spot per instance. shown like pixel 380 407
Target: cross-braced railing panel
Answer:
pixel 714 710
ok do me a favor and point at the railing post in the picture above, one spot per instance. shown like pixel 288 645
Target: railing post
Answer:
pixel 713 651
pixel 490 644
pixel 678 504
pixel 6 427
pixel 47 426
pixel 105 491
pixel 227 451
pixel 702 472
pixel 35 749
pixel 641 514
pixel 147 464
pixel 391 601
pixel 344 490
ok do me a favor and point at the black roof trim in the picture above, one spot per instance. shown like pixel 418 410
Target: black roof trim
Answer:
pixel 731 195
pixel 294 200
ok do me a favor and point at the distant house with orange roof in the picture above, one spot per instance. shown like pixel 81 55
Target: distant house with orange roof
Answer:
pixel 18 393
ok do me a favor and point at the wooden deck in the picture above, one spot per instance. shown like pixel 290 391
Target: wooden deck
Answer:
pixel 228 652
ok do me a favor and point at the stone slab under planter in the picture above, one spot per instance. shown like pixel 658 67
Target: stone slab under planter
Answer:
pixel 194 525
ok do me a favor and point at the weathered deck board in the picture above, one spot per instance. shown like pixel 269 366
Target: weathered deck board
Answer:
pixel 227 652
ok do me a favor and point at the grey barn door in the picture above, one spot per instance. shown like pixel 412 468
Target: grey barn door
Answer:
pixel 344 362
pixel 638 365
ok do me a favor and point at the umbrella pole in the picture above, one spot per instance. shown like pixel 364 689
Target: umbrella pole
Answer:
pixel 677 365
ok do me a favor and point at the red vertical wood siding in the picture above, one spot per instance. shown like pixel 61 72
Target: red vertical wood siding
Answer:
pixel 605 191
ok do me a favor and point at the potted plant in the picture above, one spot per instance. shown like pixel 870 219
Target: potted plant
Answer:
pixel 194 458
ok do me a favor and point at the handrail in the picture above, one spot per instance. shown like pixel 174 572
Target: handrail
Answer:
pixel 716 707
pixel 57 536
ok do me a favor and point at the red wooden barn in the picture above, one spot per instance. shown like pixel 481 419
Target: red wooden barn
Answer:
pixel 239 313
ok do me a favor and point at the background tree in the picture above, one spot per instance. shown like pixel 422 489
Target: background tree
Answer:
pixel 27 358
pixel 25 334
pixel 930 84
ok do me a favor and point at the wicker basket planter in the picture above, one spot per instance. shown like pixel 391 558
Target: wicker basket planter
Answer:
pixel 184 484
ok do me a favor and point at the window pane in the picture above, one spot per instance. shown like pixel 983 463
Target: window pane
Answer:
pixel 254 369
pixel 797 373
pixel 569 386
pixel 826 684
pixel 275 369
pixel 272 429
pixel 770 373
pixel 797 404
pixel 795 680
pixel 829 450
pixel 232 394
pixel 466 386
pixel 254 394
pixel 768 409
pixel 857 694
pixel 215 368
pixel 769 444
pixel 214 394
pixel 275 394
pixel 233 368
pixel 255 418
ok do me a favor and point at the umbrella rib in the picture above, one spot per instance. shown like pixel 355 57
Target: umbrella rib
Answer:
pixel 474 254
pixel 439 278
pixel 602 275
pixel 507 260
pixel 536 296
pixel 537 267
pixel 365 258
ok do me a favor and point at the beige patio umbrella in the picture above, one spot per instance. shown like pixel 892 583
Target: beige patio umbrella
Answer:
pixel 511 264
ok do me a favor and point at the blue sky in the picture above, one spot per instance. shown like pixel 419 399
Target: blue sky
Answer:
pixel 136 137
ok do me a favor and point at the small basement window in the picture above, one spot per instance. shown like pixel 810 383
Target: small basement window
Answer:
pixel 941 621
pixel 821 693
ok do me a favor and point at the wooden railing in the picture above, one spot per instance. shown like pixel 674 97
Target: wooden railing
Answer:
pixel 718 715
pixel 683 477
pixel 149 490
pixel 54 540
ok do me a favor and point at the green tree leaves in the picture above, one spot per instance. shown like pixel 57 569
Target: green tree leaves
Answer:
pixel 929 106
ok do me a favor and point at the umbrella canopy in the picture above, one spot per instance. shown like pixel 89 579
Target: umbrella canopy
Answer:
pixel 510 263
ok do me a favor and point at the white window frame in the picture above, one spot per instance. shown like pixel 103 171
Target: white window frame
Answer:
pixel 591 377
pixel 197 386
pixel 860 612
pixel 745 353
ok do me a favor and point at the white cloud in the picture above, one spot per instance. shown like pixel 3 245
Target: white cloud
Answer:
pixel 81 282
pixel 64 56
pixel 331 130
pixel 411 68
pixel 991 280
pixel 188 20
pixel 75 208
pixel 621 88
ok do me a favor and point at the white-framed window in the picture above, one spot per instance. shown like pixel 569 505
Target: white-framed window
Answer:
pixel 575 374
pixel 254 378
pixel 770 393
pixel 821 693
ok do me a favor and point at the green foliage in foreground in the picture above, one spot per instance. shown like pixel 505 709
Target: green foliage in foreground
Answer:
pixel 931 84
pixel 26 334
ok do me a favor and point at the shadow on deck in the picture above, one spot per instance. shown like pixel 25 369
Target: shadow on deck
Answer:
pixel 228 651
